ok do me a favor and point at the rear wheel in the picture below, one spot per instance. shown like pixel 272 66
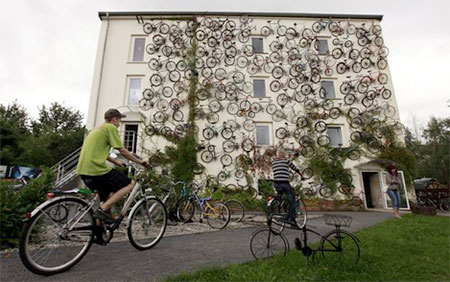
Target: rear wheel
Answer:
pixel 266 243
pixel 340 247
pixel 237 210
pixel 217 217
pixel 148 223
pixel 185 209
pixel 57 237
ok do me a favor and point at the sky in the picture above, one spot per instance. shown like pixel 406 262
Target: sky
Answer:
pixel 49 47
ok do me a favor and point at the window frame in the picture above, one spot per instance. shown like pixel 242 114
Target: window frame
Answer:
pixel 270 133
pixel 265 87
pixel 132 46
pixel 328 47
pixel 329 126
pixel 334 88
pixel 262 45
pixel 127 89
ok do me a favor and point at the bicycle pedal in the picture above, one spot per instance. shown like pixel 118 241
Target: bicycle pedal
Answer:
pixel 298 244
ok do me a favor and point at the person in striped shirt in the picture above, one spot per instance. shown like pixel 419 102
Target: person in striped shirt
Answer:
pixel 280 169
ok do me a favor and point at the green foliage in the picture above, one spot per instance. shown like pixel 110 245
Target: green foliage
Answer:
pixel 57 132
pixel 433 157
pixel 328 167
pixel 15 204
pixel 417 248
pixel 14 129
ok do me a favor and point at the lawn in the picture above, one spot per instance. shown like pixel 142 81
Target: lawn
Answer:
pixel 411 249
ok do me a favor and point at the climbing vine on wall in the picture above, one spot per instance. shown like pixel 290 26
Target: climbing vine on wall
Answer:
pixel 201 96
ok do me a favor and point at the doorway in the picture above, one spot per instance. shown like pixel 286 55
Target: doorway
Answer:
pixel 372 189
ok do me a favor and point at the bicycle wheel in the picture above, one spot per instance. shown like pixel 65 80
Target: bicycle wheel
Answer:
pixel 217 217
pixel 444 205
pixel 57 237
pixel 237 210
pixel 185 209
pixel 326 192
pixel 340 247
pixel 301 215
pixel 147 223
pixel 266 243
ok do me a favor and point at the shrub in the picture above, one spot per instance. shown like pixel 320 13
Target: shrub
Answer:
pixel 14 206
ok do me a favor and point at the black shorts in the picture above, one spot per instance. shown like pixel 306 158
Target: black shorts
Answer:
pixel 106 184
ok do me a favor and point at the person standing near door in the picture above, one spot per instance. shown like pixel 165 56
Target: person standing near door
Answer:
pixel 393 181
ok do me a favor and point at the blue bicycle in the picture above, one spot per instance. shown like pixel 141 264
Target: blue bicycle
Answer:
pixel 217 214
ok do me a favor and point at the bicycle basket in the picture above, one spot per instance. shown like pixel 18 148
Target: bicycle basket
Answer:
pixel 338 220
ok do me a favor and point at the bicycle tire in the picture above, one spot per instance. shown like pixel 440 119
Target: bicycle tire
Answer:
pixel 382 64
pixel 237 210
pixel 249 125
pixel 220 216
pixel 281 30
pixel 227 133
pixel 308 193
pixel 29 238
pixel 266 243
pixel 185 209
pixel 326 192
pixel 281 133
pixel 354 154
pixel 226 160
pixel 334 113
pixel 323 140
pixel 332 247
pixel 154 221
pixel 206 156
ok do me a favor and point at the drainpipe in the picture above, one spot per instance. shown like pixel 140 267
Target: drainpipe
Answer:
pixel 101 69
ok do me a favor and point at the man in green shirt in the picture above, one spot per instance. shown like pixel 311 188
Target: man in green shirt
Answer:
pixel 111 184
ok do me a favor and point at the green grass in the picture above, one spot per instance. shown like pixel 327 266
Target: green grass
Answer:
pixel 411 249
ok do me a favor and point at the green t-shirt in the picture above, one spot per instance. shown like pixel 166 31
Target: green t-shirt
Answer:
pixel 96 148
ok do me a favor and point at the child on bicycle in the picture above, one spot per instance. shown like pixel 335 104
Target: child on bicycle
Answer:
pixel 111 184
pixel 280 170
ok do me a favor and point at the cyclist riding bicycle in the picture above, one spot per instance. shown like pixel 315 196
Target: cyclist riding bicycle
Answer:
pixel 280 170
pixel 111 184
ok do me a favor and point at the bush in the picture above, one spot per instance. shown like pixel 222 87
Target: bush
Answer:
pixel 14 206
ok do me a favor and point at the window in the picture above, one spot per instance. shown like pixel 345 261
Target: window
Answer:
pixel 263 134
pixel 335 136
pixel 259 88
pixel 323 47
pixel 329 88
pixel 257 44
pixel 138 49
pixel 130 137
pixel 134 91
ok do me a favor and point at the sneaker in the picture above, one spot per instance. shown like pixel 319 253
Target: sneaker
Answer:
pixel 103 216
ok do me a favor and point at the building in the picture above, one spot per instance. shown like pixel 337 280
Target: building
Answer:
pixel 308 82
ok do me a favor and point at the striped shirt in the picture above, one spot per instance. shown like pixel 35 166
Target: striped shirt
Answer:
pixel 280 169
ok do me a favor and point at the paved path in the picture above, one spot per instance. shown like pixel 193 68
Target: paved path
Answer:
pixel 119 261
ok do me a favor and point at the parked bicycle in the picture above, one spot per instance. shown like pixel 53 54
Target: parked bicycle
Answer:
pixel 60 231
pixel 217 214
pixel 335 246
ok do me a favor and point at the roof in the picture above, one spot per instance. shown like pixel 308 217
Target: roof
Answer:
pixel 251 14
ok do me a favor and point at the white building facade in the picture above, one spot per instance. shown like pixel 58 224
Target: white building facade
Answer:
pixel 307 82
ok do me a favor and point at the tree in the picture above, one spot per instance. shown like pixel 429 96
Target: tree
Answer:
pixel 436 150
pixel 43 142
pixel 14 127
pixel 56 133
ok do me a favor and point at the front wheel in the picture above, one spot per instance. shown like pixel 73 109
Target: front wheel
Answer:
pixel 57 237
pixel 217 215
pixel 301 215
pixel 185 209
pixel 266 243
pixel 147 224
pixel 237 210
pixel 340 247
